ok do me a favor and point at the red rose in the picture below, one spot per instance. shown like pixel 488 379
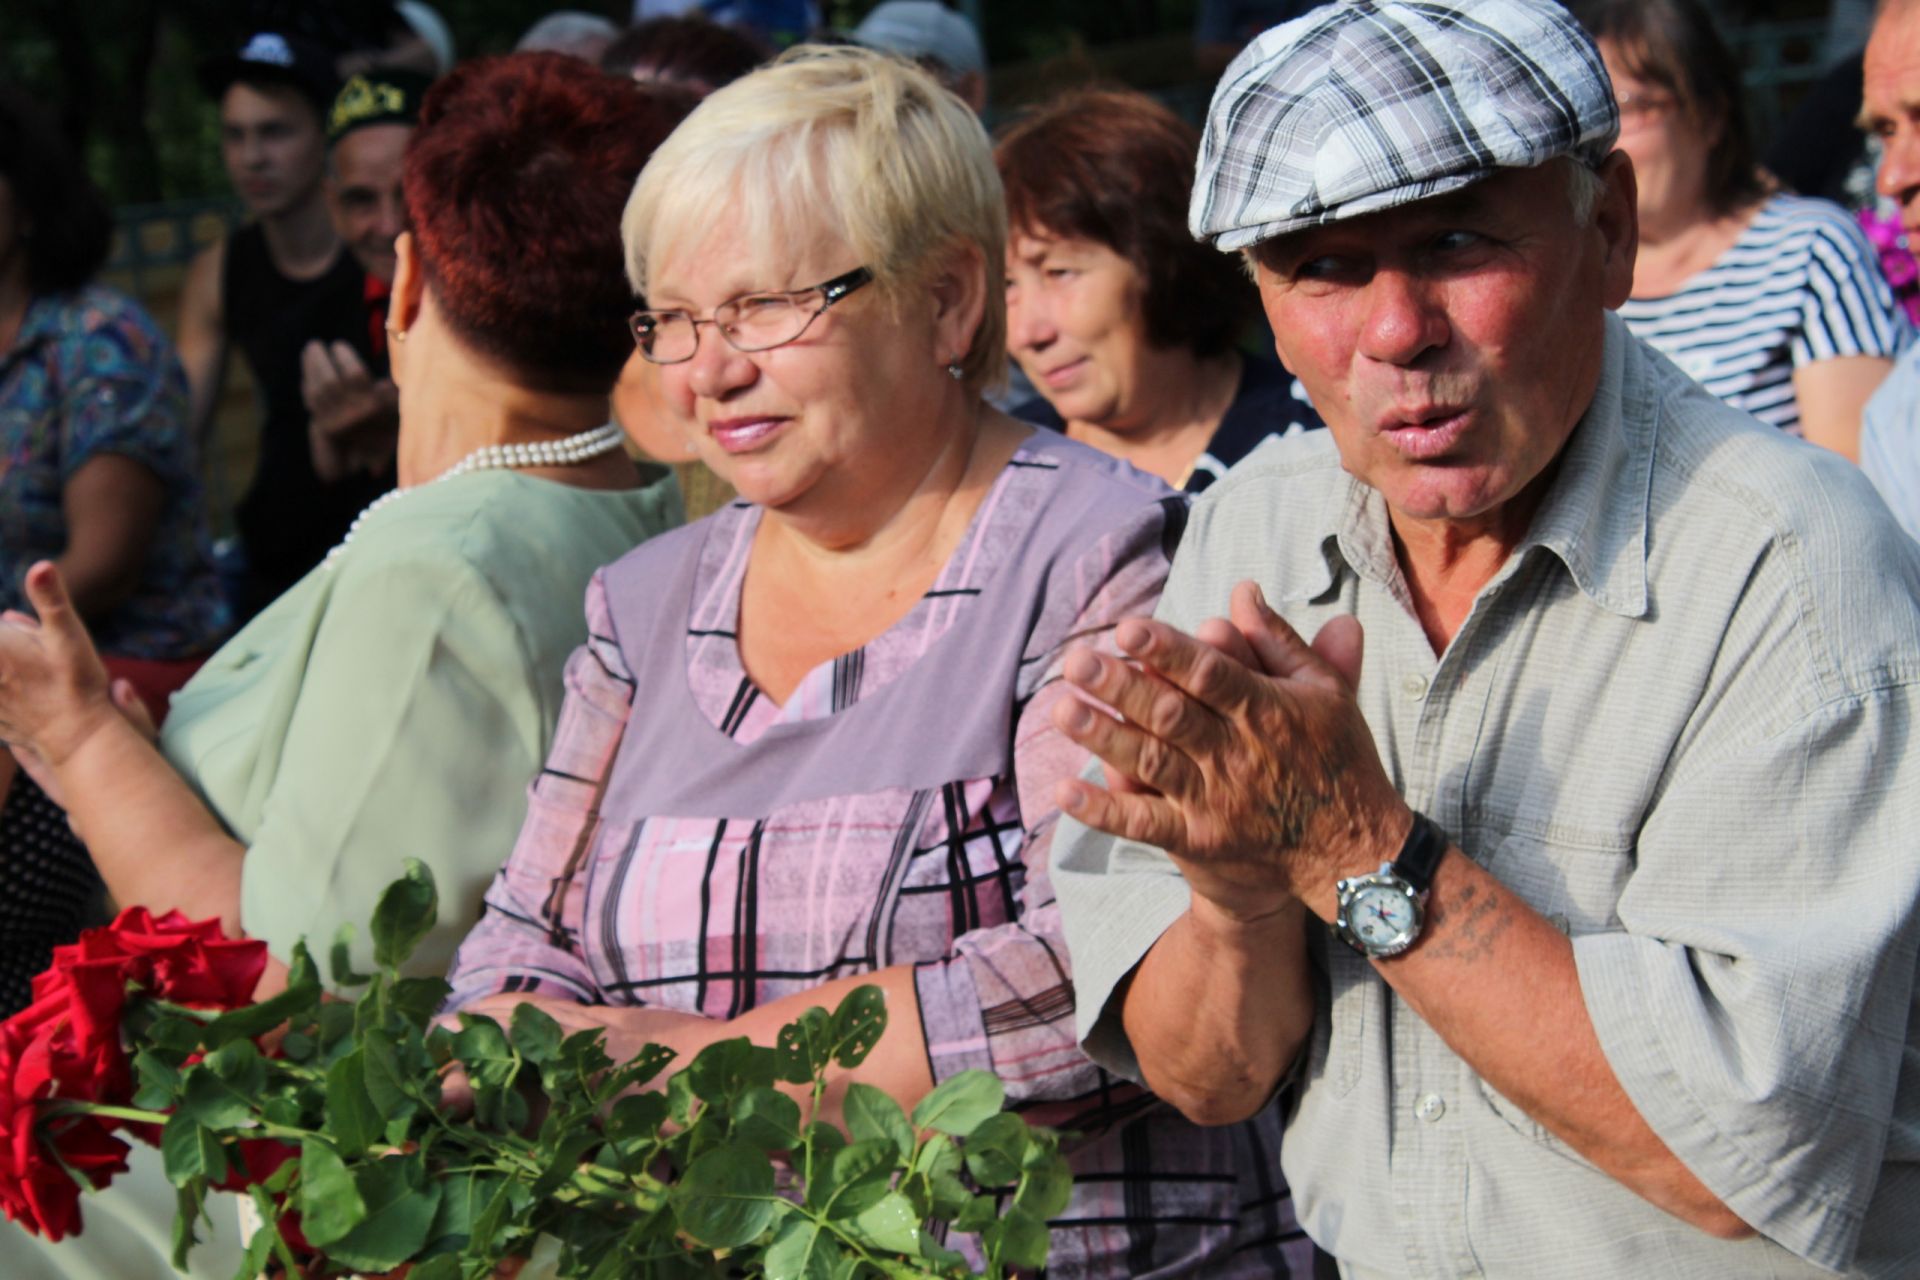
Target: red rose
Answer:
pixel 66 1047
pixel 41 1059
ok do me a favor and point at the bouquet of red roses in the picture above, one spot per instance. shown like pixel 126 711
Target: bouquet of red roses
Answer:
pixel 63 1062
pixel 338 1135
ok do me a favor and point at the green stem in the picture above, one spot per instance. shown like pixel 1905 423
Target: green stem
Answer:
pixel 181 1010
pixel 76 1107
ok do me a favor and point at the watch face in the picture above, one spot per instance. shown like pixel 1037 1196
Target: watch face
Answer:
pixel 1381 916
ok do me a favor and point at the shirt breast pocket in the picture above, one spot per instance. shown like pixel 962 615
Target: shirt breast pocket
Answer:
pixel 1571 874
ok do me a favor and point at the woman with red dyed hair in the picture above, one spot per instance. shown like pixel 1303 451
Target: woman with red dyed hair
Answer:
pixel 1122 321
pixel 395 702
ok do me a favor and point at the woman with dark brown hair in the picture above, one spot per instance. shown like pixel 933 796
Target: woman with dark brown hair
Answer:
pixel 1773 302
pixel 1125 324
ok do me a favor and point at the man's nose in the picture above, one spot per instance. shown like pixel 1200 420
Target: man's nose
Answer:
pixel 1899 175
pixel 1404 318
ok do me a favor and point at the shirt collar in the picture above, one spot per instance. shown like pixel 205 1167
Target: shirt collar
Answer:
pixel 1593 518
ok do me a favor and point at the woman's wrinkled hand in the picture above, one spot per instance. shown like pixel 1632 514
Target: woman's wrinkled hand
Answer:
pixel 54 691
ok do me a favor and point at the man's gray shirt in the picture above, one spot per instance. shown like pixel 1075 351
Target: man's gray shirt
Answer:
pixel 1680 723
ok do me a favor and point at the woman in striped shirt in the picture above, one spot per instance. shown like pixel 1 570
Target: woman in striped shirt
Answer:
pixel 1773 302
pixel 808 745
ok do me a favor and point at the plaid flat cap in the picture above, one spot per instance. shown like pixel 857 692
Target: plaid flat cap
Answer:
pixel 1367 104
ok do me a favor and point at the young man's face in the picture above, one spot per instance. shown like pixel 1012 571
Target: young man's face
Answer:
pixel 273 146
pixel 364 193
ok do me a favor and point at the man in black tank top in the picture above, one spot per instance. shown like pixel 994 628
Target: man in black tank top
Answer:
pixel 283 279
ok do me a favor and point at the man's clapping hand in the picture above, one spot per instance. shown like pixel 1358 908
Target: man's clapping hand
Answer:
pixel 1241 751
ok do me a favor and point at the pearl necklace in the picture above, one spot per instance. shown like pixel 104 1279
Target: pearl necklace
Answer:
pixel 575 449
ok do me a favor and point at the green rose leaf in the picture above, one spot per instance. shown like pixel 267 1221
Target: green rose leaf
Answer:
pixel 464 1197
pixel 951 1197
pixel 417 999
pixel 648 1063
pixel 960 1103
pixel 565 1159
pixel 300 995
pixel 535 1034
pixel 979 1213
pixel 1048 1186
pixel 259 1249
pixel 889 1223
pixel 997 1150
pixel 175 1035
pixel 680 1099
pixel 189 1150
pixel 638 1117
pixel 937 1156
pixel 404 916
pixel 858 1024
pixel 825 1140
pixel 158 1081
pixel 401 1206
pixel 800 1251
pixel 726 1198
pixel 445 1266
pixel 491 1219
pixel 189 1205
pixel 942 1258
pixel 726 1068
pixel 330 1203
pixel 340 959
pixel 353 1122
pixel 1017 1240
pixel 804 1047
pixel 390 1086
pixel 766 1119
pixel 852 1179
pixel 872 1114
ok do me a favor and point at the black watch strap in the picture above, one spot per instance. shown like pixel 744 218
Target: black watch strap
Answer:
pixel 1420 855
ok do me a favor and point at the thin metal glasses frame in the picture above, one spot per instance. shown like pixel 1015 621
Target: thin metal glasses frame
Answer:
pixel 830 292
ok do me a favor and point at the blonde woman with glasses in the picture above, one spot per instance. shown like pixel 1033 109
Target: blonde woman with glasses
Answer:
pixel 809 745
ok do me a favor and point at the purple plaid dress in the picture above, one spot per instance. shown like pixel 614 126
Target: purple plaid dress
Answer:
pixel 693 846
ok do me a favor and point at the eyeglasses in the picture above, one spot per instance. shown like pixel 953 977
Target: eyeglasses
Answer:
pixel 750 322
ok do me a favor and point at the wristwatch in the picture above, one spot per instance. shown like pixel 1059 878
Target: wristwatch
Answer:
pixel 1381 914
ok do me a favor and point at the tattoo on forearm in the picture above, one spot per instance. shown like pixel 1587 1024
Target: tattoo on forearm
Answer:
pixel 1466 925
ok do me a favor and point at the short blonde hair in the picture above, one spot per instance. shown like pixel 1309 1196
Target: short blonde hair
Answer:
pixel 869 143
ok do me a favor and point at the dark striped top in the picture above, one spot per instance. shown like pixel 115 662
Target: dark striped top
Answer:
pixel 1799 286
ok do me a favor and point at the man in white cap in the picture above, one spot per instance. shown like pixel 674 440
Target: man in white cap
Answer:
pixel 937 38
pixel 1581 912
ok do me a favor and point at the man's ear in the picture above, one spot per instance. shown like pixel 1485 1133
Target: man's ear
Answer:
pixel 1616 219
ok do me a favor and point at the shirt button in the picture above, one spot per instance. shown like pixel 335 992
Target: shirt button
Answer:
pixel 1414 685
pixel 1431 1108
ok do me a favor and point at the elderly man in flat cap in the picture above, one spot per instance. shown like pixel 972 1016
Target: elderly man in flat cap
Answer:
pixel 1578 911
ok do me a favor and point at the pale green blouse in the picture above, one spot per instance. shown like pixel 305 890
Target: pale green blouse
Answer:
pixel 395 703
